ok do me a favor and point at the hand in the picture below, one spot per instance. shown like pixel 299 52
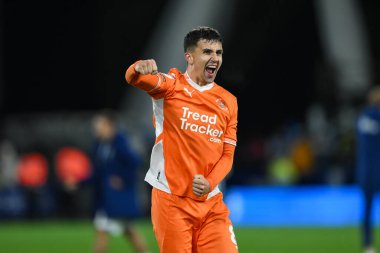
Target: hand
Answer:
pixel 116 182
pixel 145 67
pixel 201 186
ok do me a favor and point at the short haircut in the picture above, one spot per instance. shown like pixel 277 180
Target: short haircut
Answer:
pixel 201 33
pixel 109 115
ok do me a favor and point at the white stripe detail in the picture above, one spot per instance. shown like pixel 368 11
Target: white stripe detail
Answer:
pixel 169 76
pixel 156 174
pixel 213 192
pixel 158 110
pixel 229 141
pixel 197 86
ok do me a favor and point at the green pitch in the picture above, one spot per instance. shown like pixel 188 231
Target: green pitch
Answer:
pixel 70 236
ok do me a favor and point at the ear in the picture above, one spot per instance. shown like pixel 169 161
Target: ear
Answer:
pixel 189 58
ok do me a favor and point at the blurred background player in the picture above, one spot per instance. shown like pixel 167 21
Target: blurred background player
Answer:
pixel 368 161
pixel 195 121
pixel 115 173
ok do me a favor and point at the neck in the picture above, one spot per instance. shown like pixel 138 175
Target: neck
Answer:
pixel 195 79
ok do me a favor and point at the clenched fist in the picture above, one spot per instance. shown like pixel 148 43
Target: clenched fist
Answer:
pixel 201 186
pixel 146 67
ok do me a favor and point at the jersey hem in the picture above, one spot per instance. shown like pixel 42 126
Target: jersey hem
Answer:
pixel 158 185
pixel 155 183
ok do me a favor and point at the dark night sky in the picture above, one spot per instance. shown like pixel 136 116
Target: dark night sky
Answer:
pixel 275 51
pixel 68 55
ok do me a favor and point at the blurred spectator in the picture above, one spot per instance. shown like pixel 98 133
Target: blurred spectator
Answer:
pixel 368 161
pixel 282 171
pixel 8 163
pixel 323 138
pixel 72 167
pixel 115 176
pixel 302 156
pixel 12 201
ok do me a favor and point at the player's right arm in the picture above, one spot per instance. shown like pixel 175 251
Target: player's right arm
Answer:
pixel 144 75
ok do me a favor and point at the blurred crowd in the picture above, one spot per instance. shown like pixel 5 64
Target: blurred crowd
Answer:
pixel 63 171
pixel 31 187
pixel 317 150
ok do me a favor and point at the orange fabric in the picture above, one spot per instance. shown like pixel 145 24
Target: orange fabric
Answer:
pixel 187 226
pixel 199 128
pixel 220 169
pixel 143 82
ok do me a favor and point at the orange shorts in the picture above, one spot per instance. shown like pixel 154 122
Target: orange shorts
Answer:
pixel 183 225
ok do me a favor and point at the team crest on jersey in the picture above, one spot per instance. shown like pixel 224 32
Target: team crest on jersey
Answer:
pixel 221 104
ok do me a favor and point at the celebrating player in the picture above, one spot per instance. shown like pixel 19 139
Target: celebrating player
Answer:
pixel 195 123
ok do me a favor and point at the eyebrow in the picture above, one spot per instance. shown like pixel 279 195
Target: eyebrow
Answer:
pixel 208 50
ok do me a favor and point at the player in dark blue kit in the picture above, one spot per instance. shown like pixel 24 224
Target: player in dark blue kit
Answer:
pixel 114 178
pixel 368 161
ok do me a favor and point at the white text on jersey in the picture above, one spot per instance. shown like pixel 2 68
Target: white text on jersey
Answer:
pixel 202 129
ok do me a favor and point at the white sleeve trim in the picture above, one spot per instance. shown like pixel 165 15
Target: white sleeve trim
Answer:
pixel 230 141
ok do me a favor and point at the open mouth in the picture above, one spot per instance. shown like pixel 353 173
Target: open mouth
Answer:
pixel 210 69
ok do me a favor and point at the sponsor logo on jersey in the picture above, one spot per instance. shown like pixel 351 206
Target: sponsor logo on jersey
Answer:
pixel 189 92
pixel 201 123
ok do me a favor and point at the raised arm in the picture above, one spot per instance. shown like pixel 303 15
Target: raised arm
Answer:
pixel 144 75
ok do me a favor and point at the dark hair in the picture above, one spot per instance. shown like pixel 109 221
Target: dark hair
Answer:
pixel 201 33
pixel 109 115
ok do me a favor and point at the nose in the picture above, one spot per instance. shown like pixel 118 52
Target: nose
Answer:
pixel 214 57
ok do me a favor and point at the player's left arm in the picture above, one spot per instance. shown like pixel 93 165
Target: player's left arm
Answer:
pixel 203 185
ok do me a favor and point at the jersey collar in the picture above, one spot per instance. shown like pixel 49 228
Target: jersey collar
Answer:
pixel 197 86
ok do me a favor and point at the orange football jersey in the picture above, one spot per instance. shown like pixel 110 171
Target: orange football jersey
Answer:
pixel 195 131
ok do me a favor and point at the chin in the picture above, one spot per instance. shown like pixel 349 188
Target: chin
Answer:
pixel 210 80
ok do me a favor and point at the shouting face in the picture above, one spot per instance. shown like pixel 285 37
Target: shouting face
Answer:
pixel 204 61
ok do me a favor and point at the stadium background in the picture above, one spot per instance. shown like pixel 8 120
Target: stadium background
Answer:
pixel 300 70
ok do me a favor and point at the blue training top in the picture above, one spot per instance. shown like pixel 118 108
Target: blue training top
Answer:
pixel 116 158
pixel 368 148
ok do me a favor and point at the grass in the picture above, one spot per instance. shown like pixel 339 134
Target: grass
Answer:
pixel 77 236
